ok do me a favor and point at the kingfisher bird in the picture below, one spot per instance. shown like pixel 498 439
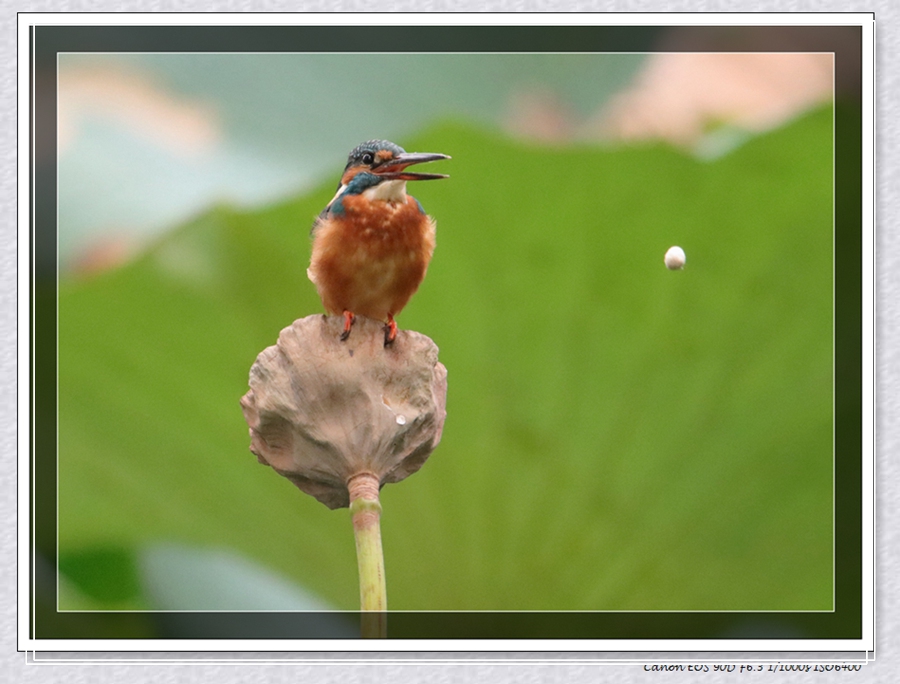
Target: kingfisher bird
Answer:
pixel 372 243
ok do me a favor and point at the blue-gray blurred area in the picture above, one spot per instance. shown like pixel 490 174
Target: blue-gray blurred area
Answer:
pixel 146 140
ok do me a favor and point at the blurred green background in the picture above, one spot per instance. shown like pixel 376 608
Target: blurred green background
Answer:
pixel 619 436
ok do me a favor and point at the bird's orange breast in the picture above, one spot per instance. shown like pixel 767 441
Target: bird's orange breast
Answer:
pixel 371 258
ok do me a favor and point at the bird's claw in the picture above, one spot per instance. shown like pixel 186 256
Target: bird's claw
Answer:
pixel 390 332
pixel 348 324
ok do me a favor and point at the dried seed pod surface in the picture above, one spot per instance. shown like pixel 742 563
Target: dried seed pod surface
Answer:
pixel 321 411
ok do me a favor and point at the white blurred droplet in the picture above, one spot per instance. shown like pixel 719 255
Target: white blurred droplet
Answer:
pixel 675 258
pixel 401 420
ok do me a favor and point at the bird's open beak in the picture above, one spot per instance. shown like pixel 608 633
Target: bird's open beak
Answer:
pixel 394 168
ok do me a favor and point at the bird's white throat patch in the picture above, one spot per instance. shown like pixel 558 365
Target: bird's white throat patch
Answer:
pixel 387 191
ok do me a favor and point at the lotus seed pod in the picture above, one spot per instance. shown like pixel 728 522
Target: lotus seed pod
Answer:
pixel 321 410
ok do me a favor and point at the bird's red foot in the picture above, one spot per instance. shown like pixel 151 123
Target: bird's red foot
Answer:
pixel 390 331
pixel 348 323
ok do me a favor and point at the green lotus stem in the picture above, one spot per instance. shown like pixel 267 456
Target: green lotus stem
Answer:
pixel 365 511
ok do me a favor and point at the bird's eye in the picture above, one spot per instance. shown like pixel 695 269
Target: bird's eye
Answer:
pixel 368 158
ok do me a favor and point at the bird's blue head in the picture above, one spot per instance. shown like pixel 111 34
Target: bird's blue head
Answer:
pixel 374 164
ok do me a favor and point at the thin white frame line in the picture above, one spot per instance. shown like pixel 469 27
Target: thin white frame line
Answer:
pixel 841 20
pixel 32 470
pixel 488 611
pixel 812 662
pixel 454 54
